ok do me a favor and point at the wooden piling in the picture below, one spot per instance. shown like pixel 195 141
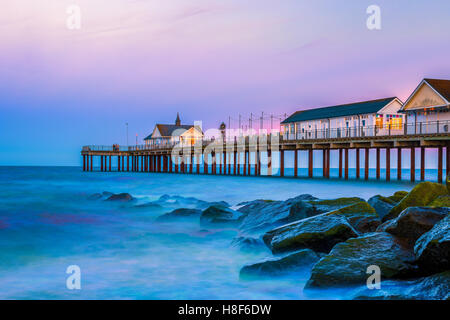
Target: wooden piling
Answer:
pixel 378 165
pixel 358 173
pixel 422 163
pixel 366 163
pixel 413 165
pixel 399 164
pixel 281 163
pixel 440 164
pixel 346 164
pixel 310 163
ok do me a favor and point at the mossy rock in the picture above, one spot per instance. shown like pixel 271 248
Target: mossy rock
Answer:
pixel 441 201
pixel 398 196
pixel 347 263
pixel 422 195
pixel 337 202
pixel 448 182
pixel 319 233
pixel 361 216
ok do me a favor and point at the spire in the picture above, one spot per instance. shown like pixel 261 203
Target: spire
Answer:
pixel 178 121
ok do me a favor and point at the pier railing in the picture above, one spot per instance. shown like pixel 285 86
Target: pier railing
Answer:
pixel 416 128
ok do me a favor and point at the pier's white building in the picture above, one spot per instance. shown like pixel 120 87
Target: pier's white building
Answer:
pixel 427 109
pixel 367 118
pixel 170 134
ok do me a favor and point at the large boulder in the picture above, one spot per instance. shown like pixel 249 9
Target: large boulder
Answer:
pixel 182 213
pixel 441 201
pixel 347 263
pixel 422 195
pixel 175 201
pixel 121 197
pixel 383 205
pixel 298 261
pixel 219 215
pixel 361 216
pixel 432 249
pixel 319 233
pixel 263 215
pixel 414 222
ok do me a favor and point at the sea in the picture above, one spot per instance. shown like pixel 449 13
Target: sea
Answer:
pixel 50 222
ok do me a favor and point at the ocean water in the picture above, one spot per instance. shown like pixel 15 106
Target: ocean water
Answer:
pixel 48 222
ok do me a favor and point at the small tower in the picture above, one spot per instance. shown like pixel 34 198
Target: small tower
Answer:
pixel 178 121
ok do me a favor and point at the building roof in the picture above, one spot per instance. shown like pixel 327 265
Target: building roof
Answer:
pixel 343 110
pixel 441 86
pixel 166 130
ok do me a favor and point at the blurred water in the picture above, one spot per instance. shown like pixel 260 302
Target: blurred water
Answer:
pixel 47 223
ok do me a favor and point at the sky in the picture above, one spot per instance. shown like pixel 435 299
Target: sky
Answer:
pixel 142 61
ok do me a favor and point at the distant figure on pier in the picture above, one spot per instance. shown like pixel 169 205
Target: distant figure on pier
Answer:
pixel 169 134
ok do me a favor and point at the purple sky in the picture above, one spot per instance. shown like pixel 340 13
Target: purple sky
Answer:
pixel 142 61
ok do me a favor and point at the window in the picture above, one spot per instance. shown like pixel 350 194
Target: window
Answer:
pixel 379 121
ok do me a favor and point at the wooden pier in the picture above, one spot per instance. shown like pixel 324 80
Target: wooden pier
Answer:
pixel 226 156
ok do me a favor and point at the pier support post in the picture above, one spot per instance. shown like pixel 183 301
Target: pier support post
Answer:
pixel 170 164
pixel 440 164
pixel 358 169
pixel 378 164
pixel 197 160
pixel 249 163
pixel 366 163
pixel 92 163
pixel 245 163
pixel 101 163
pixel 310 162
pixel 281 163
pixel 295 163
pixel 413 164
pixel 346 164
pixel 214 163
pixel 225 163
pixel 422 163
pixel 84 162
pixel 205 164
pixel 258 158
pixel 128 163
pixel 399 163
pixel 191 164
pixel 340 163
pixel 388 164
pixel 269 163
pixel 328 162
pixel 235 164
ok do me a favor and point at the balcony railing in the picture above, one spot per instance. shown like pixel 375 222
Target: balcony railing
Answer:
pixel 434 127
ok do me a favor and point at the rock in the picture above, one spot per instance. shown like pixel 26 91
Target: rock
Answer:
pixel 186 202
pixel 248 243
pixel 263 215
pixel 181 213
pixel 319 233
pixel 432 249
pixel 122 197
pixel 435 287
pixel 422 195
pixel 361 216
pixel 149 205
pixel 215 215
pixel 414 222
pixel 298 261
pixel 441 201
pixel 383 205
pixel 348 261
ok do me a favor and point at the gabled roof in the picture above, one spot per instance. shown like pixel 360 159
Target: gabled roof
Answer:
pixel 441 86
pixel 343 110
pixel 166 130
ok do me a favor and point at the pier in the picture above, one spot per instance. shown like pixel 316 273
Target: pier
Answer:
pixel 242 155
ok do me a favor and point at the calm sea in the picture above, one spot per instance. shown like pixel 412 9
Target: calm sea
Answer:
pixel 47 223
